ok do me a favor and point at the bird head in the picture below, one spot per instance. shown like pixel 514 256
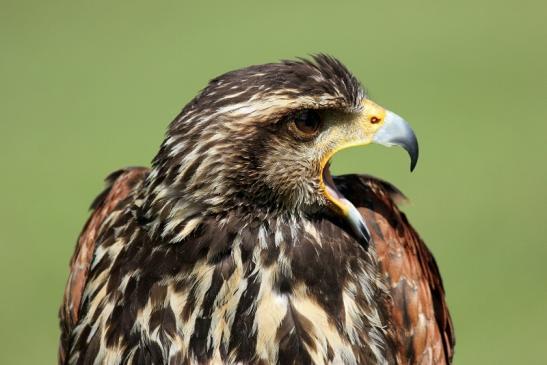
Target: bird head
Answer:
pixel 260 140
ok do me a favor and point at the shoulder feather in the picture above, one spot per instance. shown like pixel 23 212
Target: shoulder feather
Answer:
pixel 420 312
pixel 119 185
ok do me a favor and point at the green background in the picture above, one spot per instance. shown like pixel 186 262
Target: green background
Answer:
pixel 88 87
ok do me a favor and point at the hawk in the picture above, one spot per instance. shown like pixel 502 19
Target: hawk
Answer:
pixel 239 246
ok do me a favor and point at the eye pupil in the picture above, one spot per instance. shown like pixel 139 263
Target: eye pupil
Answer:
pixel 307 121
pixel 374 120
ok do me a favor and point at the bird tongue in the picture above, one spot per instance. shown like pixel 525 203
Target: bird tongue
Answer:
pixel 353 217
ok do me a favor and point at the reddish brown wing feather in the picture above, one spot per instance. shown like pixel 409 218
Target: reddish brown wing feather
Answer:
pixel 419 314
pixel 119 185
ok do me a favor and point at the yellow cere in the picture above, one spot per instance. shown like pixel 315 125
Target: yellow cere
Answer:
pixel 369 121
pixel 372 117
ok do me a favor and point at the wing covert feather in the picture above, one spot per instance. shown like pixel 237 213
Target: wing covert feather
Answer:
pixel 119 185
pixel 419 313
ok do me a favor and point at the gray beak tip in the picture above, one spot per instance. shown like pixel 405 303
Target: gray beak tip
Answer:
pixel 397 132
pixel 412 166
pixel 414 153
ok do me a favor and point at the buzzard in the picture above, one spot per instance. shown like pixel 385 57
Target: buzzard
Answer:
pixel 239 246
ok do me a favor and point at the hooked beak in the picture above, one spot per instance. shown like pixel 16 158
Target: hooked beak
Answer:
pixel 396 132
pixel 373 125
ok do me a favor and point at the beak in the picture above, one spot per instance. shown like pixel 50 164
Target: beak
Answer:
pixel 377 125
pixel 395 131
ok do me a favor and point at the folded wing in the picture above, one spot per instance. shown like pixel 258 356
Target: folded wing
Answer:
pixel 119 186
pixel 419 312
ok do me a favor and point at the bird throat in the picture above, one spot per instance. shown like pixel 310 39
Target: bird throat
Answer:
pixel 345 208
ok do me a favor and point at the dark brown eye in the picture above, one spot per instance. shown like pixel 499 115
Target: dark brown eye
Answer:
pixel 307 123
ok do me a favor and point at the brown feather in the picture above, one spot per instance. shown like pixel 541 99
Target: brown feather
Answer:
pixel 119 185
pixel 419 312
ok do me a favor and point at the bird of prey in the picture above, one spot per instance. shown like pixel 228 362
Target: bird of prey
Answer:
pixel 238 246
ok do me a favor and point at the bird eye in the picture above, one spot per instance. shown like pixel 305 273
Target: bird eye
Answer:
pixel 306 123
pixel 374 120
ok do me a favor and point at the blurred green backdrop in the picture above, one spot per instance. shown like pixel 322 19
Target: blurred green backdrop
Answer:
pixel 88 87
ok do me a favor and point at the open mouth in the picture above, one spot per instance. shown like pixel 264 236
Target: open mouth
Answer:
pixel 347 209
pixel 332 191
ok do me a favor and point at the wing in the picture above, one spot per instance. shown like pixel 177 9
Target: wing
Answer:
pixel 419 314
pixel 119 185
